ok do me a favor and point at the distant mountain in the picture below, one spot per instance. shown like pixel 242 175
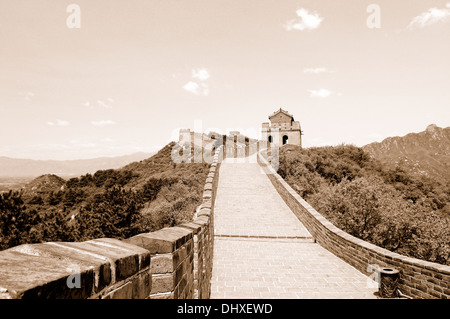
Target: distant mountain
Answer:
pixel 426 153
pixel 14 167
pixel 43 185
pixel 143 196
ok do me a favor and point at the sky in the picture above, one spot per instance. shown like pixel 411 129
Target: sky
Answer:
pixel 89 78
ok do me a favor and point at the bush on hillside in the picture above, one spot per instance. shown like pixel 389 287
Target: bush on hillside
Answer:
pixel 143 196
pixel 391 208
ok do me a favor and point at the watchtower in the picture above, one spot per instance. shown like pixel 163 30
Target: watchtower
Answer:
pixel 282 129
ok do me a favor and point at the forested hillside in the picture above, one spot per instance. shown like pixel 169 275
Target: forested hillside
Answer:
pixel 389 207
pixel 424 153
pixel 118 203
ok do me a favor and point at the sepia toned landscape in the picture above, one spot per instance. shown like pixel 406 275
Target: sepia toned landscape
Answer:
pixel 225 150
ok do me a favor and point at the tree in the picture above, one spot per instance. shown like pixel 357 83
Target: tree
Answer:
pixel 114 213
pixel 352 205
pixel 391 208
pixel 17 225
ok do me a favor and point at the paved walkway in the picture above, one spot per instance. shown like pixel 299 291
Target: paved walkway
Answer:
pixel 262 250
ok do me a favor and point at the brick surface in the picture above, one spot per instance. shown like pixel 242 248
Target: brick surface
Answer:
pixel 283 269
pixel 262 250
pixel 248 205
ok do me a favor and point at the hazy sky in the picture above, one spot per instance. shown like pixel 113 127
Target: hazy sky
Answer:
pixel 137 71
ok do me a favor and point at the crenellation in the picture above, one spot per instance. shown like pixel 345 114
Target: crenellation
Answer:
pixel 173 262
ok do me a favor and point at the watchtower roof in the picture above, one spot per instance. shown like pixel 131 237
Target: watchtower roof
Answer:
pixel 281 111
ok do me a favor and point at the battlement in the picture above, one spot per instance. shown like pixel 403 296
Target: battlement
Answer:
pixel 418 278
pixel 173 262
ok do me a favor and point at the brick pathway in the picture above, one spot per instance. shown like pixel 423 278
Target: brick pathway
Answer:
pixel 262 250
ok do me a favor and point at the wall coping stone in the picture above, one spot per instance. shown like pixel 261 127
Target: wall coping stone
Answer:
pixel 202 220
pixel 29 276
pixel 194 227
pixel 204 212
pixel 162 241
pixel 41 270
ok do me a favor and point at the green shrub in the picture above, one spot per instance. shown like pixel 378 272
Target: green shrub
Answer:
pixel 391 208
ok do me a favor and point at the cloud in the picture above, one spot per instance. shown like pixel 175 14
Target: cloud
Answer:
pixel 100 103
pixel 306 21
pixel 432 16
pixel 197 89
pixel 103 104
pixel 59 123
pixel 201 74
pixel 315 70
pixel 321 93
pixel 103 123
pixel 192 87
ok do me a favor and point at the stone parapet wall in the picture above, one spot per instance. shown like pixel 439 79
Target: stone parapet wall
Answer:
pixel 101 268
pixel 418 278
pixel 174 262
pixel 171 251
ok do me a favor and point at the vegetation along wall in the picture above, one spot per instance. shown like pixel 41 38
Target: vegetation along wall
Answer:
pixel 173 262
pixel 418 278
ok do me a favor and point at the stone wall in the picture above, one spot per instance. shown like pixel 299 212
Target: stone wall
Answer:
pixel 418 278
pixel 173 262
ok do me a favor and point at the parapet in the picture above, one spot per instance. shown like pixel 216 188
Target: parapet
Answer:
pixel 174 262
pixel 97 268
pixel 418 278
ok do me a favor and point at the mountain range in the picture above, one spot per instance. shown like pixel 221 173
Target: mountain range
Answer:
pixel 13 167
pixel 425 153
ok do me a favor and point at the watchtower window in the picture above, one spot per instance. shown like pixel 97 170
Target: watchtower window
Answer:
pixel 270 139
pixel 285 139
